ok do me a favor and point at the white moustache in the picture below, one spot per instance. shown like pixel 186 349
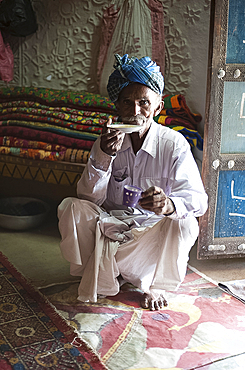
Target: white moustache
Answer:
pixel 135 120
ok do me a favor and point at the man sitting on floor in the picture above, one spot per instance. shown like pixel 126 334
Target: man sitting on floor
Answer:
pixel 148 245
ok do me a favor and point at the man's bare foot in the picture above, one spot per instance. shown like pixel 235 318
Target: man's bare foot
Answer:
pixel 121 280
pixel 153 304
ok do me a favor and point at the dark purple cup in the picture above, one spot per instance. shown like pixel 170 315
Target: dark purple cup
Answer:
pixel 131 195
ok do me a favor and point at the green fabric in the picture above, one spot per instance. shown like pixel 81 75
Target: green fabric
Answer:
pixel 167 101
pixel 51 96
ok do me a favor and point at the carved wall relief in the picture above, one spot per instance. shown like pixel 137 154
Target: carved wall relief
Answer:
pixel 187 38
pixel 61 54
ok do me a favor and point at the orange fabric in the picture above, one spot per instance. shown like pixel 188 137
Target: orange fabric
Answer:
pixel 175 101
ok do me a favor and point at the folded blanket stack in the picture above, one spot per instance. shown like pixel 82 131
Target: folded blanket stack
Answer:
pixel 177 115
pixel 55 125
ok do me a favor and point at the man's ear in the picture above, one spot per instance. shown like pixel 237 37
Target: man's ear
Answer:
pixel 159 108
pixel 116 105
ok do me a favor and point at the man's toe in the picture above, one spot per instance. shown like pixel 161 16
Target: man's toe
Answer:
pixel 145 302
pixel 153 305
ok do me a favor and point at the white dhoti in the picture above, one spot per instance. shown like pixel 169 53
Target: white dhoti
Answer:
pixel 100 247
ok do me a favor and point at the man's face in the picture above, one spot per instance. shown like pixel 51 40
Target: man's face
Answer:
pixel 138 104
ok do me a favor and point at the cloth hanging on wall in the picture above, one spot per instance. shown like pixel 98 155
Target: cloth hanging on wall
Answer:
pixel 6 61
pixel 136 28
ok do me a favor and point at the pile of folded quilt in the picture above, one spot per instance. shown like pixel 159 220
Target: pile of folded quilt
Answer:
pixel 56 125
pixel 177 115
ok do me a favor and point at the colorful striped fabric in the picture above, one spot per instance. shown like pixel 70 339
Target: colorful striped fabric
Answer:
pixel 192 136
pixel 177 115
pixel 175 107
pixel 171 121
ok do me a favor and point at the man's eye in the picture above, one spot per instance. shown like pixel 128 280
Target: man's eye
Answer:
pixel 144 102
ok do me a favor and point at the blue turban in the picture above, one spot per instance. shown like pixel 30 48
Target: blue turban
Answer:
pixel 128 70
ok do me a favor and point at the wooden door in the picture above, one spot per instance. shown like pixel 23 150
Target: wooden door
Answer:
pixel 222 228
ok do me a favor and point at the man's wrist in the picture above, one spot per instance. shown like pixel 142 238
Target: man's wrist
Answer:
pixel 172 208
pixel 101 160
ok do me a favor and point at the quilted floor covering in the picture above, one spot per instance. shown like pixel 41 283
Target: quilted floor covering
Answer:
pixel 202 328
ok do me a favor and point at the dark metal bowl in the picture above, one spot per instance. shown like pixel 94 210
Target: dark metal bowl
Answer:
pixel 21 213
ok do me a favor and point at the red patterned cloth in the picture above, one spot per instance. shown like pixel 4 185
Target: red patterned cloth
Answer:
pixel 200 326
pixel 48 137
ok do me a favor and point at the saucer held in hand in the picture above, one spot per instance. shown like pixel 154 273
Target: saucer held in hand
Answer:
pixel 126 128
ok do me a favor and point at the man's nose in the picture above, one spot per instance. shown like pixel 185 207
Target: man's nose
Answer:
pixel 135 109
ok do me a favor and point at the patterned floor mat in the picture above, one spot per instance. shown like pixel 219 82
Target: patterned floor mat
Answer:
pixel 32 334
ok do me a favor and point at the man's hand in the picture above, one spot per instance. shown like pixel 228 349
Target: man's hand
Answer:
pixel 111 140
pixel 155 200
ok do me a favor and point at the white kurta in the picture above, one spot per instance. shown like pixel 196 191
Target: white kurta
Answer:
pixel 102 239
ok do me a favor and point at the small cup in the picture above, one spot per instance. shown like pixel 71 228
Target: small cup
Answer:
pixel 131 195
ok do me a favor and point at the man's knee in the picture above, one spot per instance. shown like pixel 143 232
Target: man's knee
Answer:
pixel 66 203
pixel 189 229
pixel 185 230
pixel 78 211
pixel 74 204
